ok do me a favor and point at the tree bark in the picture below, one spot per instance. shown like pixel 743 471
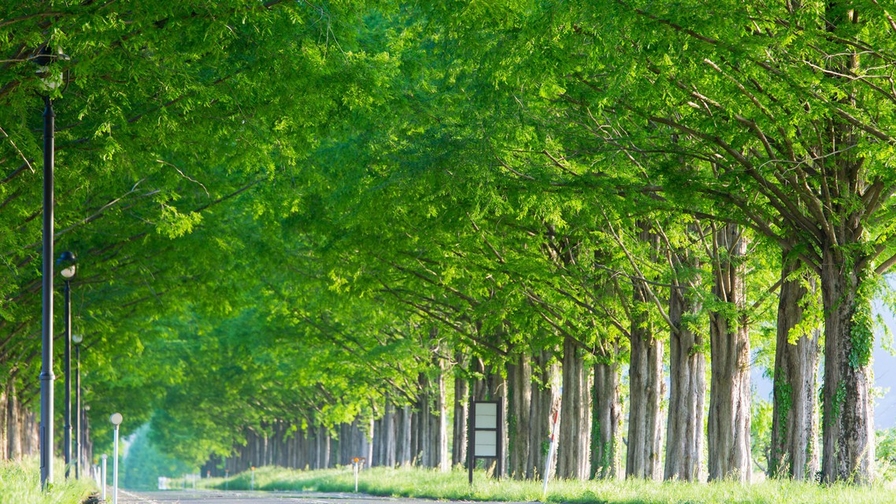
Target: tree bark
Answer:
pixel 403 449
pixel 687 383
pixel 519 385
pixel 729 397
pixel 575 421
pixel 645 390
pixel 461 406
pixel 13 428
pixel 847 414
pixel 606 423
pixel 545 399
pixel 848 421
pixel 794 442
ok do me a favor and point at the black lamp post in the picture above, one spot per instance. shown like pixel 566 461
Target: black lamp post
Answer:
pixel 77 339
pixel 43 59
pixel 66 262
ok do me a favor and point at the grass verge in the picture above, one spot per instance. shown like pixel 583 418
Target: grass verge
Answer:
pixel 20 483
pixel 423 483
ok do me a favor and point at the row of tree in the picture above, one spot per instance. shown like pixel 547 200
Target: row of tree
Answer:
pixel 301 217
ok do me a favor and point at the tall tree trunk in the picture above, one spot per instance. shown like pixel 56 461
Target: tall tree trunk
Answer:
pixel 323 443
pixel 687 383
pixel 606 422
pixel 848 417
pixel 461 406
pixel 545 400
pixel 3 414
pixel 729 395
pixel 575 421
pixel 519 385
pixel 645 391
pixel 404 453
pixel 443 460
pixel 13 430
pixel 848 421
pixel 388 435
pixel 794 442
pixel 433 423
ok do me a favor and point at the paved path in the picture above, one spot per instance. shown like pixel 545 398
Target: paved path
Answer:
pixel 247 497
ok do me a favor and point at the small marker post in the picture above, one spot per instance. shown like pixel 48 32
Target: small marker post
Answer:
pixel 357 462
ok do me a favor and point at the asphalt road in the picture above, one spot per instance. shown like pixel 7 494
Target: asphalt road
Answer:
pixel 246 497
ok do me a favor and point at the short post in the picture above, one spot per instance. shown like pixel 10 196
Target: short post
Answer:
pixel 116 421
pixel 357 463
pixel 103 476
pixel 252 485
pixel 551 449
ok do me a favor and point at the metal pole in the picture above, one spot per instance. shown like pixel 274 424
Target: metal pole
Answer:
pixel 115 469
pixel 77 411
pixel 46 372
pixel 67 356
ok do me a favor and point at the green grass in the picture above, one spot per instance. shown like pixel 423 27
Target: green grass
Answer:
pixel 454 485
pixel 20 483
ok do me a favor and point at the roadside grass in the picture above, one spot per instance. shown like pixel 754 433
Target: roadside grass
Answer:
pixel 20 483
pixel 454 485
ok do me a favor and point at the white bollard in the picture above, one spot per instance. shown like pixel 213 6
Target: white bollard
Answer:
pixel 103 477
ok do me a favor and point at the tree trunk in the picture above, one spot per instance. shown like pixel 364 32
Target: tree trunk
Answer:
pixel 848 421
pixel 403 449
pixel 323 442
pixel 388 435
pixel 687 383
pixel 519 385
pixel 847 411
pixel 575 421
pixel 545 400
pixel 646 391
pixel 443 460
pixel 606 424
pixel 794 442
pixel 13 431
pixel 461 407
pixel 729 395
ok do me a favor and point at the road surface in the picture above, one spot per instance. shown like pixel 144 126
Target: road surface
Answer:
pixel 247 497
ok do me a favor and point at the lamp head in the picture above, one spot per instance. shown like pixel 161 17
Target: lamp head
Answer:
pixel 116 419
pixel 66 262
pixel 77 339
pixel 44 59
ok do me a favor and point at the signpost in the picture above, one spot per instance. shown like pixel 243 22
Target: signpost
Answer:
pixel 486 432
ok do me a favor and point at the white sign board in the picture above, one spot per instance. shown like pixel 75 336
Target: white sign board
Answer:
pixel 486 416
pixel 486 444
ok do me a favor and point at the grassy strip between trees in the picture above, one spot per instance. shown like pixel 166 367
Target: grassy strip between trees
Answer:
pixel 422 483
pixel 20 483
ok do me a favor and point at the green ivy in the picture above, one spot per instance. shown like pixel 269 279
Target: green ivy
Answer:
pixel 861 328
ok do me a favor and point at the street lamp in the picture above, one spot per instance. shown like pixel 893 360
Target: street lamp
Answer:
pixel 116 421
pixel 77 339
pixel 66 263
pixel 43 60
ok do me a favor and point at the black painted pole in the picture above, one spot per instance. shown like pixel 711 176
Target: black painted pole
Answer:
pixel 67 356
pixel 46 374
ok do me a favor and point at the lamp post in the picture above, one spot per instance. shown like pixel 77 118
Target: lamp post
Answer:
pixel 43 59
pixel 116 421
pixel 66 262
pixel 77 339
